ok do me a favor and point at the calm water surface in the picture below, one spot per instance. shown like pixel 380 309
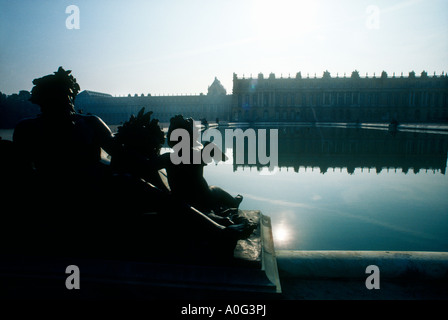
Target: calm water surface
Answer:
pixel 349 189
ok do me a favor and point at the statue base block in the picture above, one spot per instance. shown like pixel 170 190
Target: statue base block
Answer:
pixel 252 270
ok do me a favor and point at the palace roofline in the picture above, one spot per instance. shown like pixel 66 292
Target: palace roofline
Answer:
pixel 354 75
pixel 272 76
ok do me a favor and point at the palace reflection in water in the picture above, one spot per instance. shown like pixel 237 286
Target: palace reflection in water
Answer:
pixel 348 188
pixel 334 148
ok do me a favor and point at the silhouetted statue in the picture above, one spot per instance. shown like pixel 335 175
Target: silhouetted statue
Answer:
pixel 60 151
pixel 75 196
pixel 187 180
pixel 61 147
pixel 141 138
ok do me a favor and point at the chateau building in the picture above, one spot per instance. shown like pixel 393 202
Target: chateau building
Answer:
pixel 406 99
pixel 216 104
pixel 341 99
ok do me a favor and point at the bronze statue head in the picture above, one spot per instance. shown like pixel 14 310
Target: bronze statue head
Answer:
pixel 142 134
pixel 55 93
pixel 188 124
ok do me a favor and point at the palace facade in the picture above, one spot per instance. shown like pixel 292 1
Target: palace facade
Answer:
pixel 406 99
pixel 341 99
pixel 216 104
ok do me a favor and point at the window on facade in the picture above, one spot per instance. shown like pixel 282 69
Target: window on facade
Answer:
pixel 341 99
pixel 389 99
pixel 418 99
pixel 436 99
pixel 326 98
pixel 356 98
pixel 362 99
pixel 430 99
pixel 404 101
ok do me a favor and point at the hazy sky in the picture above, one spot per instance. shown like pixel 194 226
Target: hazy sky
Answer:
pixel 179 46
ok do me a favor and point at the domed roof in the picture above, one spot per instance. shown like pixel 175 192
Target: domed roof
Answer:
pixel 216 88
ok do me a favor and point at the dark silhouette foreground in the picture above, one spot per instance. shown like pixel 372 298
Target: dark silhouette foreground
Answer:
pixel 187 180
pixel 67 201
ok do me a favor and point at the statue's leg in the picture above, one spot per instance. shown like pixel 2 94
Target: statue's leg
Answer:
pixel 222 199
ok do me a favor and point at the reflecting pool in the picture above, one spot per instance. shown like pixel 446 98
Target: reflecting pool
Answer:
pixel 346 188
pixel 340 188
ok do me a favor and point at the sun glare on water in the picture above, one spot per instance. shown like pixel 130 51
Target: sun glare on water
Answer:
pixel 281 234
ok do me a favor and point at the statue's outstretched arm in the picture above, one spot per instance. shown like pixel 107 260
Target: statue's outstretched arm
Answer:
pixel 105 135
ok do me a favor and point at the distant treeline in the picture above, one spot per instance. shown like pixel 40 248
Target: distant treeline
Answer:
pixel 15 107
